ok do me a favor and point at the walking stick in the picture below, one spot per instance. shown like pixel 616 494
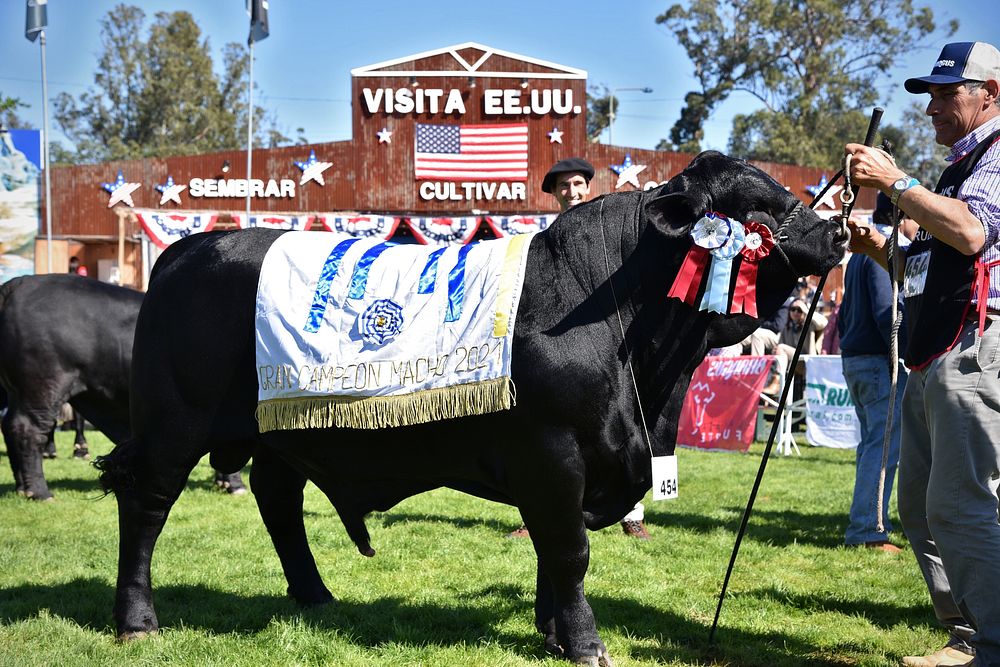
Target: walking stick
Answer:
pixel 873 125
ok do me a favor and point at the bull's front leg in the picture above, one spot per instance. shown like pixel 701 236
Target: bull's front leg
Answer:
pixel 563 557
pixel 277 487
pixel 550 497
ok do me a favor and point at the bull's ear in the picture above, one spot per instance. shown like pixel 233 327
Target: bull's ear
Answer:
pixel 674 213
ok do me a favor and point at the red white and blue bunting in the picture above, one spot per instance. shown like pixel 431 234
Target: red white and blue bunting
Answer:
pixel 165 228
pixel 362 226
pixel 444 231
pixel 510 225
pixel 272 221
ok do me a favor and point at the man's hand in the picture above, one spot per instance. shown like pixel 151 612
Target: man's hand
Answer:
pixel 866 239
pixel 872 167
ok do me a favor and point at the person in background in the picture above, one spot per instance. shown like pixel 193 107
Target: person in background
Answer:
pixel 569 182
pixel 949 458
pixel 865 324
pixel 76 267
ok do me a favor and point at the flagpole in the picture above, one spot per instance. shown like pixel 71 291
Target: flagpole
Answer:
pixel 45 156
pixel 249 135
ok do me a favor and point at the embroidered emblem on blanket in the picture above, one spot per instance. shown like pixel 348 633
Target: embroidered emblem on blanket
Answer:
pixel 361 333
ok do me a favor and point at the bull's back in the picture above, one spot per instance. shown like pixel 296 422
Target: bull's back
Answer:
pixel 194 342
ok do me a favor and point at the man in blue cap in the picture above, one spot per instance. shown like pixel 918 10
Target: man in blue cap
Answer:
pixel 950 450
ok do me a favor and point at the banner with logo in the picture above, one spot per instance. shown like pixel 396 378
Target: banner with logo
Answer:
pixel 20 201
pixel 720 408
pixel 830 417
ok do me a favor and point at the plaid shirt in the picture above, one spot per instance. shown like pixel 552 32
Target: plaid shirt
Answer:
pixel 981 192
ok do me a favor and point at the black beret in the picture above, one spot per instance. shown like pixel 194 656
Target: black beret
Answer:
pixel 565 166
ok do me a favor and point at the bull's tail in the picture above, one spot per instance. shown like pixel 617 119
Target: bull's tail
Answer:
pixel 116 468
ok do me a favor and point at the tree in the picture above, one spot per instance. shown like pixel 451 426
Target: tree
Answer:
pixel 598 111
pixel 8 112
pixel 159 96
pixel 813 65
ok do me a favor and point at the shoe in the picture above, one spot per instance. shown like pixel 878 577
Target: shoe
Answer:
pixel 635 529
pixel 946 657
pixel 520 532
pixel 884 545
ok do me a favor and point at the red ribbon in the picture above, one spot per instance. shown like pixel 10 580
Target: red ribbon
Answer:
pixel 745 292
pixel 688 279
pixel 981 288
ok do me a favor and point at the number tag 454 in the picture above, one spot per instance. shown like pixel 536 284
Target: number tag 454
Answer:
pixel 664 477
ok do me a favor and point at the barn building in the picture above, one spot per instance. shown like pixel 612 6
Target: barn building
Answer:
pixel 411 171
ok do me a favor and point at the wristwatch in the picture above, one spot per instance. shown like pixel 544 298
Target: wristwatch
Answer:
pixel 901 186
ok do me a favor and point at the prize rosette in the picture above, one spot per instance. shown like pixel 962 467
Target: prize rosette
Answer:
pixel 716 297
pixel 758 245
pixel 710 232
pixel 381 322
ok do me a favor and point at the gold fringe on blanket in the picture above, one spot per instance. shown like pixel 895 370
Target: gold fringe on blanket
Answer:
pixel 462 400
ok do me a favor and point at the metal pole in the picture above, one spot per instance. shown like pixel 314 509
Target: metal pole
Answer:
pixel 45 157
pixel 249 135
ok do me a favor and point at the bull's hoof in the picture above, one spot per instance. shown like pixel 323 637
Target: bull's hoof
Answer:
pixel 82 453
pixel 41 498
pixel 50 455
pixel 134 635
pixel 314 598
pixel 602 660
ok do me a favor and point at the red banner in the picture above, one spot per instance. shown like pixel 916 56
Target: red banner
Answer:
pixel 720 408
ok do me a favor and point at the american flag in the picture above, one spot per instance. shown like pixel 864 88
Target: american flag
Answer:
pixel 472 152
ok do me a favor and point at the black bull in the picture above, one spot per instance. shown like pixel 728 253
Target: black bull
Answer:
pixel 64 338
pixel 570 455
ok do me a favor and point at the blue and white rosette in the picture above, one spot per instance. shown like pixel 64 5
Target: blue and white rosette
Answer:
pixel 716 298
pixel 711 231
pixel 381 322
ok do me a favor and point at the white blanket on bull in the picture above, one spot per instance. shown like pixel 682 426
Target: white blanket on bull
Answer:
pixel 361 333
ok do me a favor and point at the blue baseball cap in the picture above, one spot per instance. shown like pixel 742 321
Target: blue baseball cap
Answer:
pixel 958 62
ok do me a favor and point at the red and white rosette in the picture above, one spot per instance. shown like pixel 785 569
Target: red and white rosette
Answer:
pixel 709 233
pixel 759 243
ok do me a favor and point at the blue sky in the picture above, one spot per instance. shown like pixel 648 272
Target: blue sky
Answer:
pixel 303 69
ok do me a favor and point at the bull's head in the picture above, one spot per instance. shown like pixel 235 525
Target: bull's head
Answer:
pixel 807 244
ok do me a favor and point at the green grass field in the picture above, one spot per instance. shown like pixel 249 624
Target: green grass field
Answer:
pixel 446 587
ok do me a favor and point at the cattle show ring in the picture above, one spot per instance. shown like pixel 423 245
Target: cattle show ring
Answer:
pixel 405 349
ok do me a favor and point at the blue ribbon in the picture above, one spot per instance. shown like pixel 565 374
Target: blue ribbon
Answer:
pixel 361 270
pixel 429 275
pixel 326 276
pixel 456 286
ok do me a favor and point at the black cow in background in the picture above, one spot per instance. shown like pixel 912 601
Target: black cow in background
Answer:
pixel 570 454
pixel 65 339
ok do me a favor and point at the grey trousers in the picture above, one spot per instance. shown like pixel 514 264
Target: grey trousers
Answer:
pixel 948 467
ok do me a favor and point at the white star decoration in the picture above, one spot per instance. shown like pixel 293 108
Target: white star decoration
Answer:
pixel 121 192
pixel 385 136
pixel 827 199
pixel 312 170
pixel 555 136
pixel 170 191
pixel 627 172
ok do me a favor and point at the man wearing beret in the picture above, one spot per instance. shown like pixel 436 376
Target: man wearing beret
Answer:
pixel 569 182
pixel 950 445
